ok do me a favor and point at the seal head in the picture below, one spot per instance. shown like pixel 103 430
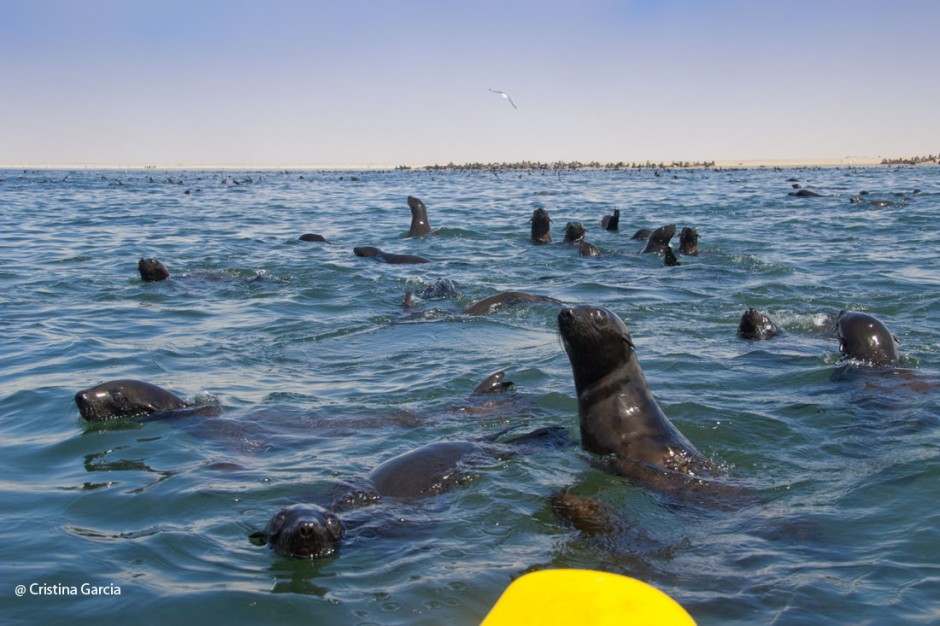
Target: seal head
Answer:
pixel 124 398
pixel 541 226
pixel 419 218
pixel 863 337
pixel 302 531
pixel 152 270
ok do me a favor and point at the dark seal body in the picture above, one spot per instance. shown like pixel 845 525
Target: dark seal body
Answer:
pixel 152 270
pixel 863 337
pixel 643 233
pixel 419 218
pixel 611 222
pixel 586 248
pixel 617 412
pixel 506 298
pixel 116 399
pixel 669 257
pixel 388 257
pixel 313 237
pixel 659 239
pixel 804 193
pixel 541 226
pixel 756 325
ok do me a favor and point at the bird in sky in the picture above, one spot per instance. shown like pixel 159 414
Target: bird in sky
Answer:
pixel 506 96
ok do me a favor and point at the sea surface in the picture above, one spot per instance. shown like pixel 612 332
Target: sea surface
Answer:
pixel 322 374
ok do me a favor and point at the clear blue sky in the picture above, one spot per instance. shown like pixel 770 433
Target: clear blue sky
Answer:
pixel 309 82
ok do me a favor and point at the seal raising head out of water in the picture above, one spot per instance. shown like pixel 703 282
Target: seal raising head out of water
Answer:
pixel 864 338
pixel 419 218
pixel 152 270
pixel 302 531
pixel 541 226
pixel 124 398
pixel 756 325
pixel 617 412
pixel 611 222
pixel 659 239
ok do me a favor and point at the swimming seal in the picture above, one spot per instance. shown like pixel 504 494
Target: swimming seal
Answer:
pixel 313 237
pixel 152 270
pixel 541 226
pixel 586 248
pixel 611 222
pixel 756 325
pixel 494 383
pixel 804 193
pixel 863 337
pixel 124 398
pixel 688 241
pixel 506 298
pixel 302 531
pixel 669 257
pixel 388 257
pixel 574 232
pixel 310 531
pixel 617 412
pixel 419 218
pixel 659 239
pixel 643 233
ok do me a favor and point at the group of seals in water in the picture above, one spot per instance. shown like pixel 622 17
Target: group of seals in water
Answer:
pixel 619 418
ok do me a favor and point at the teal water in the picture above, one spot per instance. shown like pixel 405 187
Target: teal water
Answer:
pixel 322 375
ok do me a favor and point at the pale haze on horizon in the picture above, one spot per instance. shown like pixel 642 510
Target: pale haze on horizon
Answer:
pixel 329 83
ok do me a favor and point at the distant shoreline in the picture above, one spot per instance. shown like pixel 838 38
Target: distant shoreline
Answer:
pixel 522 165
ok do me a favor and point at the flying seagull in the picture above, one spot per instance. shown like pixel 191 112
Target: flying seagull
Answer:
pixel 505 95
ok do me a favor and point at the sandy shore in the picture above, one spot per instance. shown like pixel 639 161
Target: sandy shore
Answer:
pixel 732 163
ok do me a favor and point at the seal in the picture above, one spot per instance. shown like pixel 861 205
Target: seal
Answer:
pixel 804 193
pixel 574 232
pixel 659 239
pixel 124 398
pixel 302 531
pixel 617 412
pixel 313 237
pixel 151 270
pixel 311 531
pixel 669 257
pixel 494 383
pixel 864 338
pixel 388 257
pixel 611 222
pixel 756 325
pixel 688 241
pixel 505 298
pixel 643 233
pixel 585 248
pixel 541 226
pixel 419 218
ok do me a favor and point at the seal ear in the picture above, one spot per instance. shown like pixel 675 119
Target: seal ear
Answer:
pixel 896 340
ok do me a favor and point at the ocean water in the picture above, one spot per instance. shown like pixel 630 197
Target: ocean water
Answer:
pixel 322 375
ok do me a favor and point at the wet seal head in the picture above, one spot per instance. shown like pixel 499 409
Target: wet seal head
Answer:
pixel 302 531
pixel 118 399
pixel 756 325
pixel 688 241
pixel 659 239
pixel 863 337
pixel 574 232
pixel 151 270
pixel 611 222
pixel 541 226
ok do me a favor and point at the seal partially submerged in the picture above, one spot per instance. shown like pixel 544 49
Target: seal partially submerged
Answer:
pixel 659 239
pixel 311 531
pixel 863 337
pixel 611 222
pixel 506 298
pixel 756 325
pixel 419 218
pixel 541 226
pixel 388 257
pixel 117 399
pixel 617 413
pixel 152 270
pixel 688 241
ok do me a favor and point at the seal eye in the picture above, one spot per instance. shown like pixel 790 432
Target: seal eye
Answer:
pixel 118 398
pixel 599 317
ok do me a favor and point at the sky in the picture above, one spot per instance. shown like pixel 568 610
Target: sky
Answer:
pixel 294 82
